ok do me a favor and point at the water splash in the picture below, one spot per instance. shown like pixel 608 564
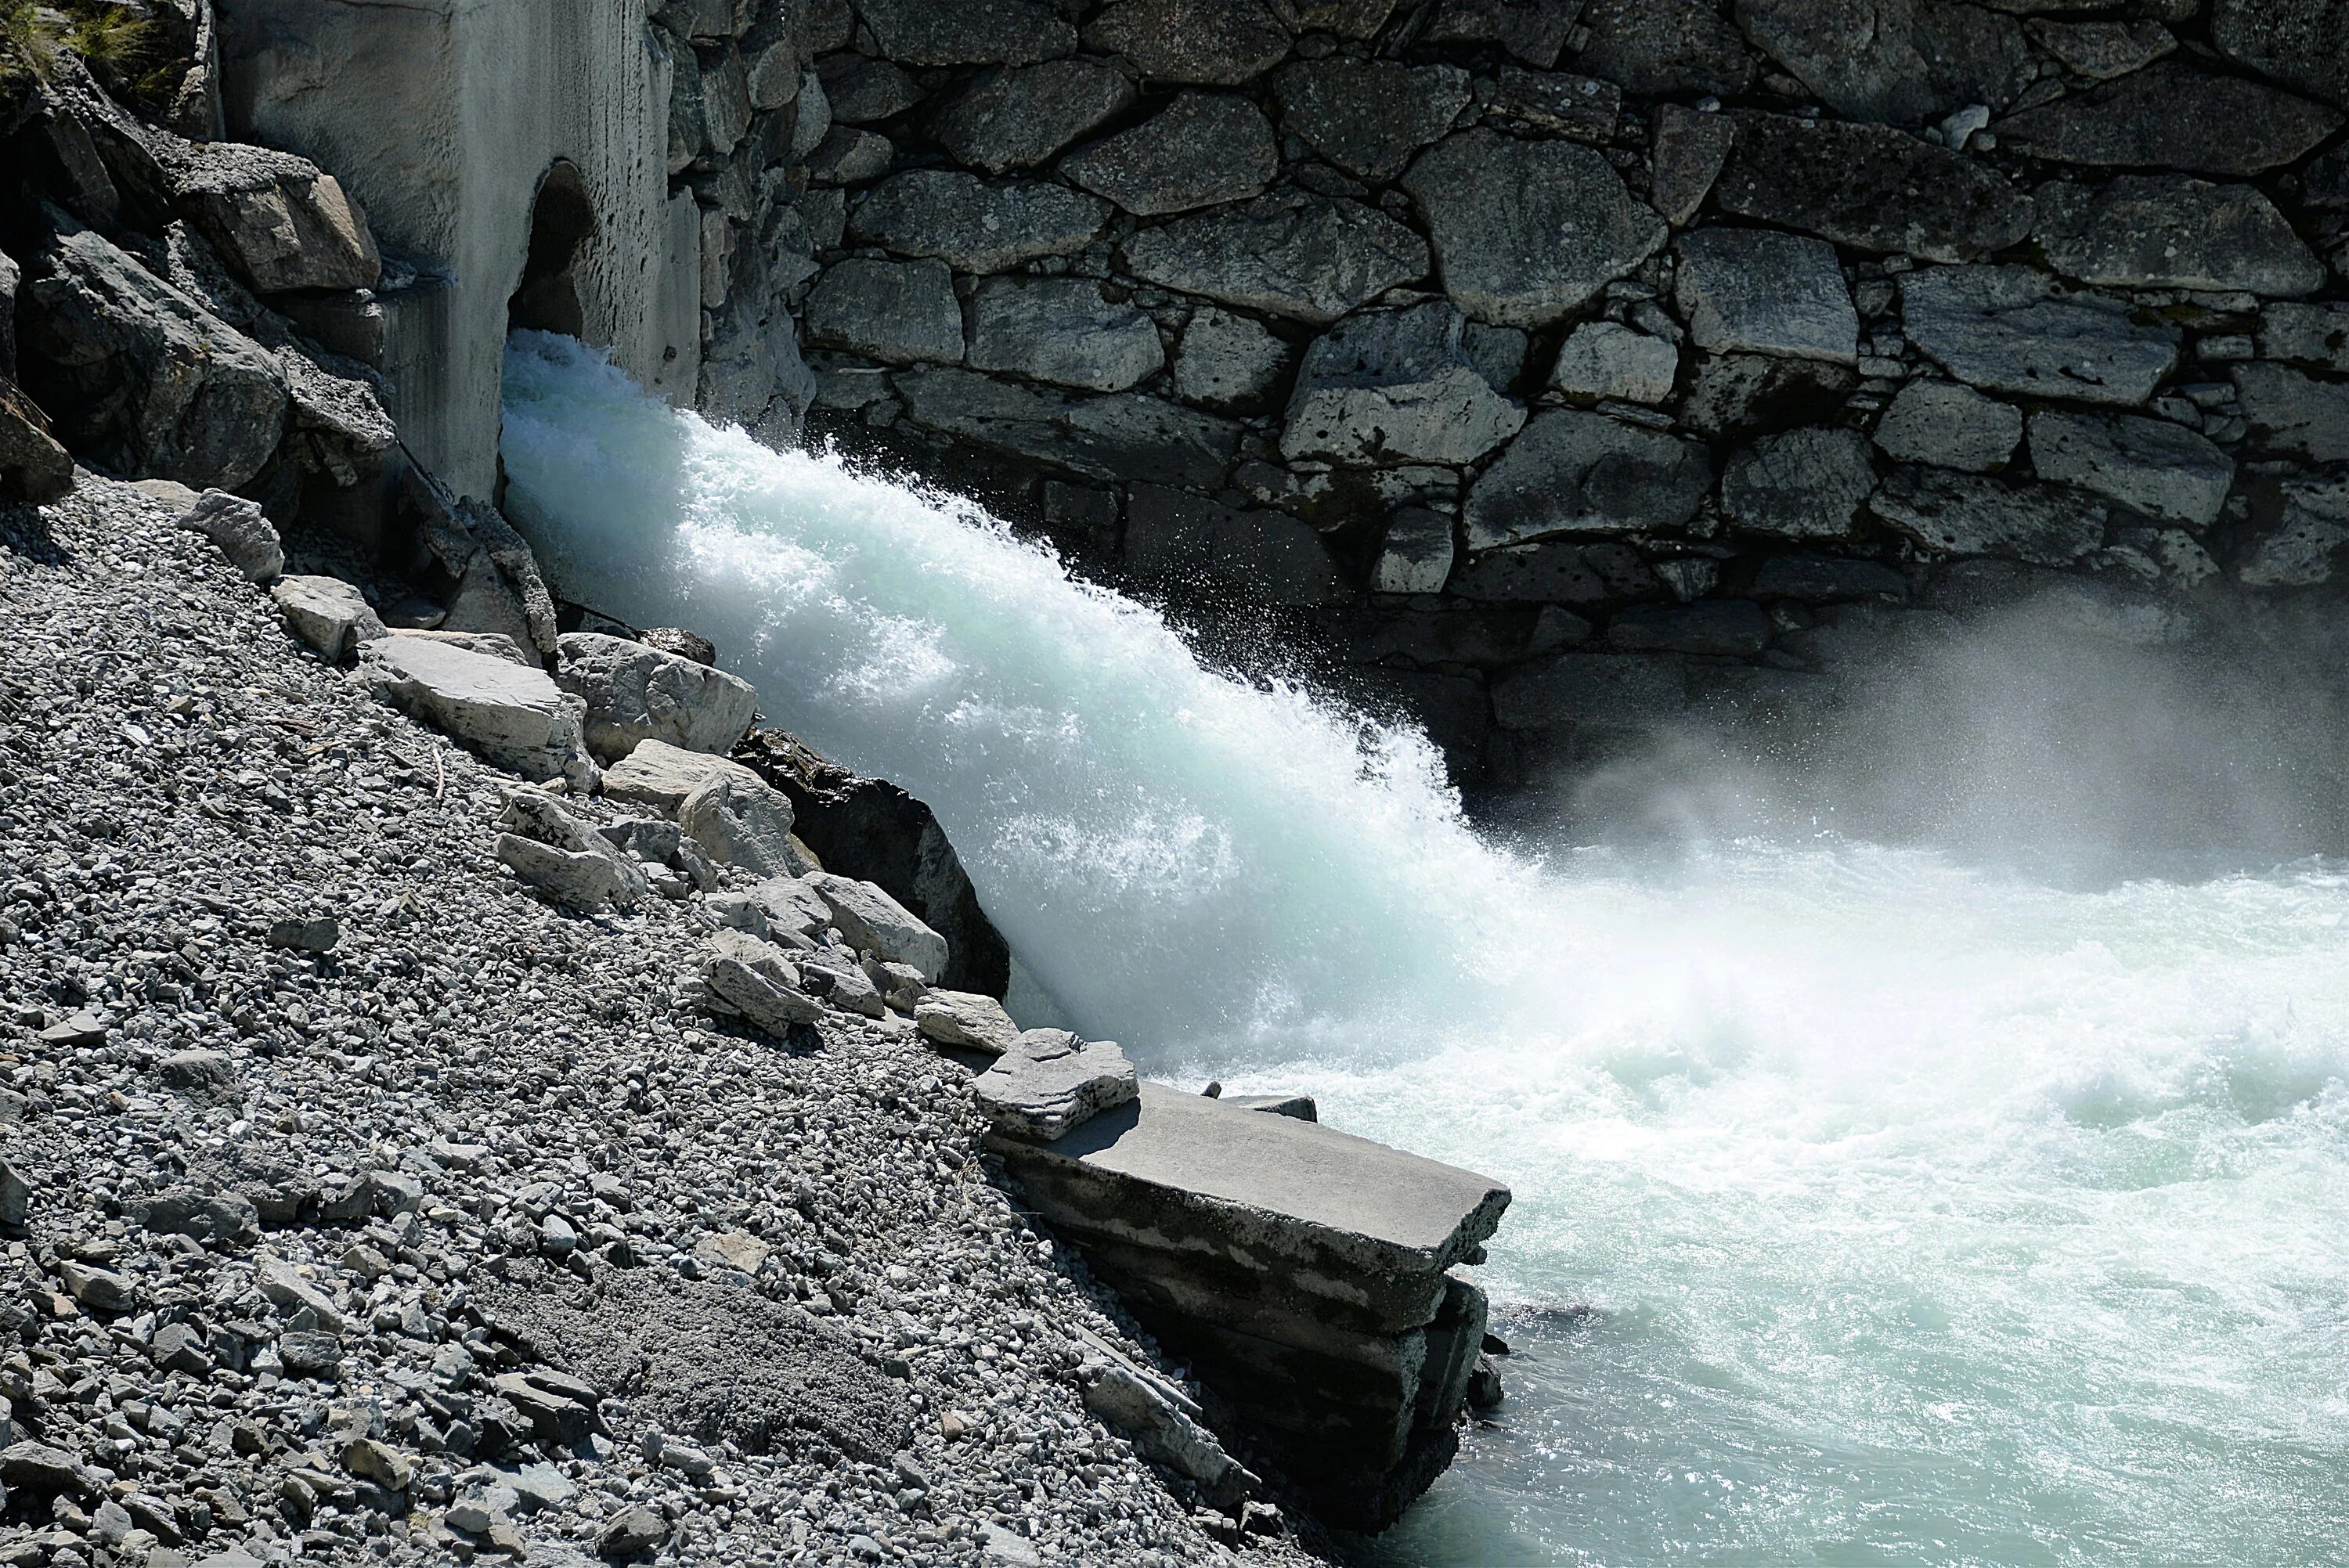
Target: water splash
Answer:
pixel 1871 1209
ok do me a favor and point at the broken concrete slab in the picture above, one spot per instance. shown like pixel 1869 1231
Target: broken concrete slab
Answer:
pixel 1050 1082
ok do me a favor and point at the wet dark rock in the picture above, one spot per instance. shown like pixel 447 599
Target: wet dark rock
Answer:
pixel 1665 47
pixel 1368 117
pixel 1019 116
pixel 1200 149
pixel 2101 51
pixel 897 311
pixel 1174 540
pixel 1808 483
pixel 1685 158
pixel 2294 412
pixel 2010 329
pixel 1591 690
pixel 1063 331
pixel 1559 573
pixel 1735 627
pixel 1962 514
pixel 1871 187
pixel 1903 61
pixel 1290 254
pixel 976 225
pixel 2170 115
pixel 2150 466
pixel 966 32
pixel 1204 42
pixel 2304 43
pixel 1571 471
pixel 2167 231
pixel 1827 580
pixel 1122 436
pixel 1535 31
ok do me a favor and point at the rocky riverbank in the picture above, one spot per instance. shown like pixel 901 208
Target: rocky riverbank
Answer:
pixel 361 1203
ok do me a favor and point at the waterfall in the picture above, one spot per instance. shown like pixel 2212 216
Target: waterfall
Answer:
pixel 1870 1207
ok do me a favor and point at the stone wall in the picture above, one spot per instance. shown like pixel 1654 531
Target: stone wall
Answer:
pixel 445 118
pixel 1561 365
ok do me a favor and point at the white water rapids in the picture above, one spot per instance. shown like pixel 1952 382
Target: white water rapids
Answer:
pixel 1871 1209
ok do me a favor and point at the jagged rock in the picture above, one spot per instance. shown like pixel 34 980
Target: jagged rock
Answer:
pixel 966 1019
pixel 1368 117
pixel 849 156
pixel 1724 627
pixel 1291 254
pixel 2304 546
pixel 1174 537
pixel 969 33
pixel 338 427
pixel 1949 427
pixel 2011 329
pixel 306 934
pixel 1204 42
pixel 1526 231
pixel 1570 471
pixel 1869 187
pixel 247 538
pixel 1228 362
pixel 2167 231
pixel 743 822
pixel 1898 60
pixel 635 692
pixel 1049 1082
pixel 2314 334
pixel 1660 48
pixel 131 366
pixel 565 858
pixel 631 1533
pixel 1200 149
pixel 2303 44
pixel 788 904
pixel 34 467
pixel 41 1471
pixel 756 980
pixel 1602 691
pixel 274 217
pixel 1160 1421
pixel 865 92
pixel 15 1199
pixel 1556 574
pixel 2150 466
pixel 1415 555
pixel 1535 31
pixel 1754 290
pixel 12 277
pixel 878 923
pixel 515 718
pixel 1117 436
pixel 899 311
pixel 216 1217
pixel 1827 580
pixel 2101 51
pixel 1799 484
pixel 975 225
pixel 1019 116
pixel 2171 116
pixel 100 1290
pixel 2294 413
pixel 327 614
pixel 207 1074
pixel 655 773
pixel 1583 108
pixel 1962 514
pixel 1395 385
pixel 1607 359
pixel 1061 330
pixel 561 1409
pixel 1685 157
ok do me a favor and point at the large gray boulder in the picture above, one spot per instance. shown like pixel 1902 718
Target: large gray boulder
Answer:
pixel 330 616
pixel 1962 515
pixel 2171 116
pixel 899 311
pixel 1898 60
pixel 1061 330
pixel 1571 471
pixel 1368 117
pixel 744 822
pixel 967 1021
pixel 1290 254
pixel 2150 466
pixel 1871 187
pixel 2294 412
pixel 2315 335
pixel 1808 483
pixel 635 692
pixel 1202 43
pixel 565 858
pixel 878 923
pixel 1389 386
pixel 34 465
pixel 2011 329
pixel 1760 292
pixel 155 380
pixel 2304 43
pixel 1200 149
pixel 1228 362
pixel 512 715
pixel 1606 359
pixel 2167 231
pixel 279 221
pixel 656 774
pixel 747 977
pixel 1949 426
pixel 1049 1082
pixel 976 225
pixel 242 531
pixel 1526 231
pixel 1665 48
pixel 1017 117
pixel 2306 545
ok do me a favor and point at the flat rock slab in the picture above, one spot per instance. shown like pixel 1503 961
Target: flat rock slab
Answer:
pixel 1051 1081
pixel 1336 1216
pixel 656 774
pixel 515 717
pixel 2170 115
pixel 1869 187
pixel 2011 329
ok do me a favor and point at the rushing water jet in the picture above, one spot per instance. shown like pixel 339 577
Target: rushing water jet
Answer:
pixel 1870 1208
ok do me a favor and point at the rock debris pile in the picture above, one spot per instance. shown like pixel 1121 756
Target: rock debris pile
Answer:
pixel 366 1200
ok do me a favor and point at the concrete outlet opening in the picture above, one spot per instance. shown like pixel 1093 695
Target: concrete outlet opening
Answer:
pixel 561 223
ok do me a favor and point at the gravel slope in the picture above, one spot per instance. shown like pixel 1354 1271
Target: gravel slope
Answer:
pixel 487 1140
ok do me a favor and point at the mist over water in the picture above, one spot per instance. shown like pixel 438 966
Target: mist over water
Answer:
pixel 1921 1202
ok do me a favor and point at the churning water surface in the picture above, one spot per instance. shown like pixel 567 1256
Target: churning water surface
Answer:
pixel 1871 1208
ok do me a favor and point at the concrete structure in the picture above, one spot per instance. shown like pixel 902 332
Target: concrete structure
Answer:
pixel 448 119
